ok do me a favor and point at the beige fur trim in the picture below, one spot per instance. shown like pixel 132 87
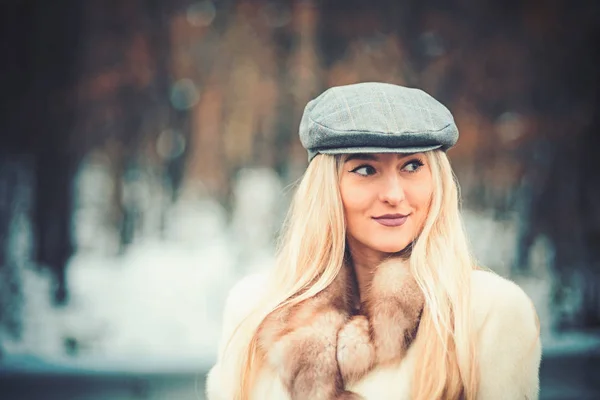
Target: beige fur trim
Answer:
pixel 318 346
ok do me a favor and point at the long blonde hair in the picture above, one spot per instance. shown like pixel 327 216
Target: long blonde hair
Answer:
pixel 311 253
pixel 442 263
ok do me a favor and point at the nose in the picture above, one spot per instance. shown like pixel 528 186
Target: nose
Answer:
pixel 392 191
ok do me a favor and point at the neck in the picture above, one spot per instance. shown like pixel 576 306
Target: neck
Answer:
pixel 365 264
pixel 364 270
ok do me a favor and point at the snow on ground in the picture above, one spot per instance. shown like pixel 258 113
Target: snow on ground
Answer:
pixel 158 306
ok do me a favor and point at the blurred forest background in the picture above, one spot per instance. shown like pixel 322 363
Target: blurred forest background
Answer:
pixel 147 150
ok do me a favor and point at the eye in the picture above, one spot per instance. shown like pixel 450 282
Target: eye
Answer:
pixel 412 165
pixel 364 170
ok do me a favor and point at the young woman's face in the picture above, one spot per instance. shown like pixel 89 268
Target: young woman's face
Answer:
pixel 386 199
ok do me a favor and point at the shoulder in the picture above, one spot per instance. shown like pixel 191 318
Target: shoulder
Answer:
pixel 509 347
pixel 244 292
pixel 241 299
pixel 497 299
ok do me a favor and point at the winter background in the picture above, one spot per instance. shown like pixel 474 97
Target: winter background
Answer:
pixel 149 152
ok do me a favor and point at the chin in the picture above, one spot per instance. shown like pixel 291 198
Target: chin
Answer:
pixel 391 247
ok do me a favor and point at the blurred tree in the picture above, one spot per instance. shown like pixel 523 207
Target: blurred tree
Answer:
pixel 79 76
pixel 196 90
pixel 123 100
pixel 562 168
pixel 40 48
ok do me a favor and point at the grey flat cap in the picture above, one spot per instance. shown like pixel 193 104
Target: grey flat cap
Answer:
pixel 375 117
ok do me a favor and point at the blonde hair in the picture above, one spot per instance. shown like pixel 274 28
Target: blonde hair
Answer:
pixel 442 263
pixel 311 254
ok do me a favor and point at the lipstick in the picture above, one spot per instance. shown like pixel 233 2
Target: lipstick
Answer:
pixel 391 220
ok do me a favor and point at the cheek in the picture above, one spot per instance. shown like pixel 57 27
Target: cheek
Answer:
pixel 355 199
pixel 423 191
pixel 350 203
pixel 423 197
pixel 421 201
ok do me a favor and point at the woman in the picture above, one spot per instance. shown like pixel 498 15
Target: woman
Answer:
pixel 375 294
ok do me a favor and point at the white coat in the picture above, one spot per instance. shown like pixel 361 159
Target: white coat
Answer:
pixel 509 348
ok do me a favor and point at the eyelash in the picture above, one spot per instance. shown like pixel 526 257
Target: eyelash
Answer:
pixel 419 163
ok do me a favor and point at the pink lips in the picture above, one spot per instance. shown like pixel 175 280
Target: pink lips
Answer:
pixel 391 219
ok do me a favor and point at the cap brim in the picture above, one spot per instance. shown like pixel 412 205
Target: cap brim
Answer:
pixel 360 150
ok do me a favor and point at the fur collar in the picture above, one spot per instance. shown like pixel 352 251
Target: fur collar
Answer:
pixel 323 344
